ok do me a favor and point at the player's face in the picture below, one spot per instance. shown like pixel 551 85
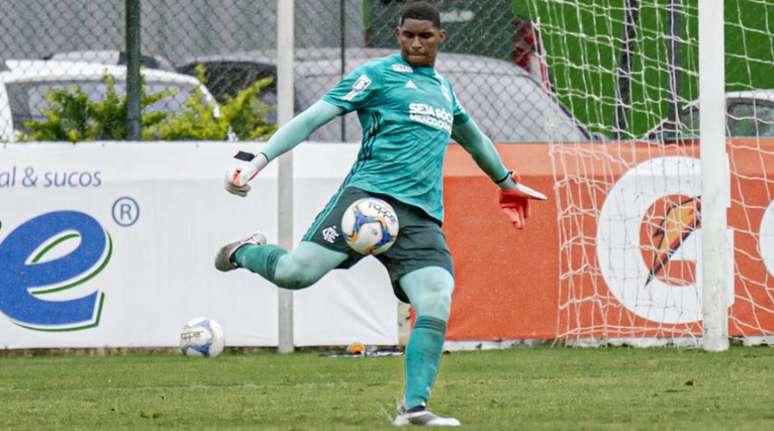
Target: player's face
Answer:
pixel 419 41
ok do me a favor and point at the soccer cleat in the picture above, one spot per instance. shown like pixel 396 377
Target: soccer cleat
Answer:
pixel 421 416
pixel 224 261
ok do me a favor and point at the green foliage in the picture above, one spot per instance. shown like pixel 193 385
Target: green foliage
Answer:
pixel 72 116
pixel 243 116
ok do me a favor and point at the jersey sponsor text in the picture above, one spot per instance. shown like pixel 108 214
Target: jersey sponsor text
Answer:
pixel 433 117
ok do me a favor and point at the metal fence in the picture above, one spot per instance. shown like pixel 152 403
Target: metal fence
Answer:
pixel 489 57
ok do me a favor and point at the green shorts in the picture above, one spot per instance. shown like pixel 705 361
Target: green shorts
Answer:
pixel 421 242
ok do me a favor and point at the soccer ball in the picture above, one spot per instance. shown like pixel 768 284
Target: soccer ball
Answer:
pixel 202 337
pixel 370 226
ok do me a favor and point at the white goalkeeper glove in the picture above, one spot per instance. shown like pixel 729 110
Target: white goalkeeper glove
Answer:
pixel 245 169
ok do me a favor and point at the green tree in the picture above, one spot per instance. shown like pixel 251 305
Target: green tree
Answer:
pixel 243 116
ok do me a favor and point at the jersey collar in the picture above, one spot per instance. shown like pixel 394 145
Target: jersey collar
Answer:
pixel 425 70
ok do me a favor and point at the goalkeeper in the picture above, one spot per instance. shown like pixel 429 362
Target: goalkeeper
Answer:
pixel 408 113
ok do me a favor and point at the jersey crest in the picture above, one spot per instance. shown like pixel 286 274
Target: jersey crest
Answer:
pixel 361 84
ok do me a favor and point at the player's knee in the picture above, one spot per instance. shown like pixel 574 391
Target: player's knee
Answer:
pixel 435 301
pixel 291 274
pixel 293 280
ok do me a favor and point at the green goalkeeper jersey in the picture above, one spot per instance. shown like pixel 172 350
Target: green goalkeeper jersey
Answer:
pixel 407 114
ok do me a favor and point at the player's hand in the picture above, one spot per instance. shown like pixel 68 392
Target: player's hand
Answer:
pixel 245 168
pixel 515 201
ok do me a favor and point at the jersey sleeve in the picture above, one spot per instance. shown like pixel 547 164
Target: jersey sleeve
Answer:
pixel 355 90
pixel 460 115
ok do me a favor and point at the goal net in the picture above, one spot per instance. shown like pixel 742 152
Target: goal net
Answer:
pixel 629 203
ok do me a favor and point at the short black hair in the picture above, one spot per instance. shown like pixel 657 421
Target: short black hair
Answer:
pixel 421 10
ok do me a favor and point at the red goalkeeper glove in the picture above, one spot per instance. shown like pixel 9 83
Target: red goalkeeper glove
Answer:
pixel 515 201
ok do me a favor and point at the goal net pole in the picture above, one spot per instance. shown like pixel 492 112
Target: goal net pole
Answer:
pixel 623 98
pixel 715 197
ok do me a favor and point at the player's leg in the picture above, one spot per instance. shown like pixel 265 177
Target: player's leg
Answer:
pixel 322 249
pixel 298 269
pixel 421 270
pixel 429 290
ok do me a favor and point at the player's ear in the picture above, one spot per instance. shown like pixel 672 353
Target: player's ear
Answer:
pixel 441 35
pixel 397 33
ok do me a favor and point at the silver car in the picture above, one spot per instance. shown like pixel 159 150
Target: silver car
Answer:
pixel 748 114
pixel 508 104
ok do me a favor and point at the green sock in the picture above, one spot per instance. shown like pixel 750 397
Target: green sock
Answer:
pixel 260 259
pixel 423 354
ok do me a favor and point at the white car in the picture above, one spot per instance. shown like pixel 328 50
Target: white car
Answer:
pixel 24 84
pixel 115 57
pixel 749 114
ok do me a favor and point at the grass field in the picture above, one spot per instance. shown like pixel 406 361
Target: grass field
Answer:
pixel 522 388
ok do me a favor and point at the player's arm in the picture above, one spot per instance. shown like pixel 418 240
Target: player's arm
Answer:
pixel 514 195
pixel 481 148
pixel 285 139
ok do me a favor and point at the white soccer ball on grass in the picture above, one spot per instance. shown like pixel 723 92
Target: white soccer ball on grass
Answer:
pixel 202 337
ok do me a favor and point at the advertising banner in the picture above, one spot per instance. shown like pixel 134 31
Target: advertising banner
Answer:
pixel 112 244
pixel 616 251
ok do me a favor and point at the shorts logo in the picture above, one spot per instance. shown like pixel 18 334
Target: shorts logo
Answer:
pixel 330 234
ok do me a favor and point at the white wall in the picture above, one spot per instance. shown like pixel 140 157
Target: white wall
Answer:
pixel 160 272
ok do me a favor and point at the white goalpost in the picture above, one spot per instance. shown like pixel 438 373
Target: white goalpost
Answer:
pixel 666 225
pixel 715 190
